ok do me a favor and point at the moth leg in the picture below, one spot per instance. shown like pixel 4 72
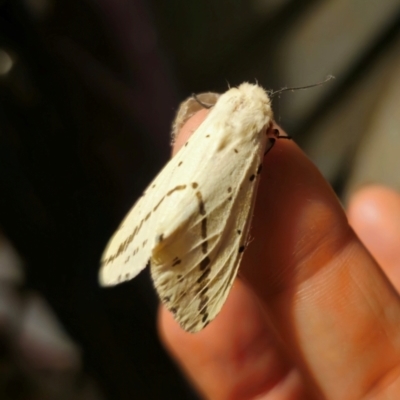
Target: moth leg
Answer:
pixel 279 136
pixel 206 106
pixel 272 140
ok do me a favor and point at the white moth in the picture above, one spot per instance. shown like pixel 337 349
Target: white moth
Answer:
pixel 192 222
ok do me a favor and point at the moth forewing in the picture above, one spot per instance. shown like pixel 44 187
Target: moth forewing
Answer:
pixel 129 249
pixel 192 224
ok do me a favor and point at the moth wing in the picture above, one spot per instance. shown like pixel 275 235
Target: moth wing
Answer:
pixel 194 265
pixel 129 249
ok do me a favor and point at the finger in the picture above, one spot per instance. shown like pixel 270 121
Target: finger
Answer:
pixel 322 291
pixel 225 361
pixel 328 299
pixel 374 214
pixel 236 356
pixel 335 311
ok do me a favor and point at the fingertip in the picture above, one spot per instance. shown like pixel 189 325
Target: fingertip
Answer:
pixel 369 204
pixel 374 214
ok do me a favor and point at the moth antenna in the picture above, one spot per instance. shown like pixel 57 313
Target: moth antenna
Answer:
pixel 329 78
pixel 206 106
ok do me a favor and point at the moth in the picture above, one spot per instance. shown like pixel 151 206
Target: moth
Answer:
pixel 191 224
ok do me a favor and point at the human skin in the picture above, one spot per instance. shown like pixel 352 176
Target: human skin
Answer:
pixel 312 314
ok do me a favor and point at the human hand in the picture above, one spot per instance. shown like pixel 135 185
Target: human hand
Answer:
pixel 312 315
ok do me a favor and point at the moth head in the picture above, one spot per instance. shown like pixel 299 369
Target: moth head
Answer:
pixel 249 104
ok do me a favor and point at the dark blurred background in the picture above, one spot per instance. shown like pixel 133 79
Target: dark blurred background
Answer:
pixel 88 90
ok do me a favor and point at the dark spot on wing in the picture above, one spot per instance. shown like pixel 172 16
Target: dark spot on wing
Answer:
pixel 176 261
pixel 235 151
pixel 174 310
pixel 204 247
pixel 204 228
pixel 204 275
pixel 230 198
pixel 202 305
pixel 167 299
pixel 159 203
pixel 229 189
pixel 127 276
pixel 207 136
pixel 186 143
pixel 239 231
pixel 175 189
pixel 202 288
pixel 203 311
pixel 241 248
pixel 180 163
pixel 204 263
pixel 205 317
pixel 202 209
pixel 259 169
pixel 252 178
pixel 204 244
pixel 160 238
